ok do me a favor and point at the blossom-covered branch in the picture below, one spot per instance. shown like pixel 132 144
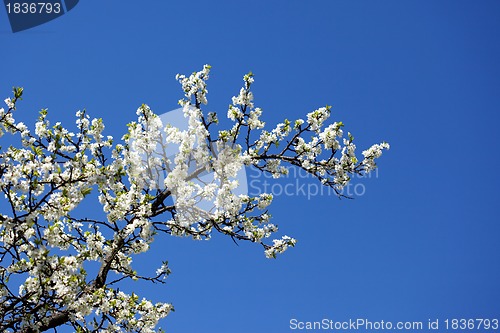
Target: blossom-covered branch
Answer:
pixel 160 179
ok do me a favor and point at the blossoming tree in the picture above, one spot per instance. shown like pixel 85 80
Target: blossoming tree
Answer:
pixel 46 242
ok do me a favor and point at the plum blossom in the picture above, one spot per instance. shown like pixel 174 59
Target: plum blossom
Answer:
pixel 63 264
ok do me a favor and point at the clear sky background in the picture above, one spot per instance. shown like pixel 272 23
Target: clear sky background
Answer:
pixel 423 242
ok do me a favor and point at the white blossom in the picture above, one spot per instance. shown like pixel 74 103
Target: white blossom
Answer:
pixel 158 180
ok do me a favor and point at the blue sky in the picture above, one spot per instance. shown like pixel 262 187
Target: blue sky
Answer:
pixel 421 243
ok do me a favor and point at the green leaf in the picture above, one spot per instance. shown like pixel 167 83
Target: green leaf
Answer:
pixel 86 191
pixel 18 92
